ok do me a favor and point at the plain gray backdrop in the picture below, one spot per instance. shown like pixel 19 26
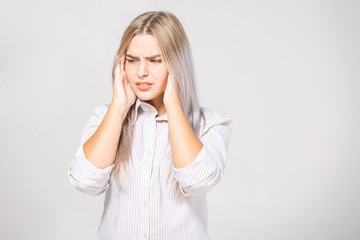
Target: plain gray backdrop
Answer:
pixel 286 72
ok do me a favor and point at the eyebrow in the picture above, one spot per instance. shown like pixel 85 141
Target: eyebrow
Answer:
pixel 151 57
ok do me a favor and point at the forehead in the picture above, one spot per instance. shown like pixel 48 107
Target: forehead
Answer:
pixel 143 45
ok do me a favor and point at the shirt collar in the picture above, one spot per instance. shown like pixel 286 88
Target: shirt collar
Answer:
pixel 144 106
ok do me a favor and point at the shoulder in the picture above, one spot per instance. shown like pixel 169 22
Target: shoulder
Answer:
pixel 211 119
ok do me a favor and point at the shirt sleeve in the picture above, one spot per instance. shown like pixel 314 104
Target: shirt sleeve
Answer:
pixel 201 175
pixel 82 173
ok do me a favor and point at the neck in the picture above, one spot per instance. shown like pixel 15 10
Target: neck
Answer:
pixel 158 104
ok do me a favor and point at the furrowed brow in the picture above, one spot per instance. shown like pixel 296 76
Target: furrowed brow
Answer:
pixel 153 56
pixel 130 56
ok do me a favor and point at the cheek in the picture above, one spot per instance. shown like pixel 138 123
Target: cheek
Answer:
pixel 165 77
pixel 129 72
pixel 128 77
pixel 161 77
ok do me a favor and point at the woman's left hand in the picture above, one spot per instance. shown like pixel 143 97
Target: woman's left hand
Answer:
pixel 170 94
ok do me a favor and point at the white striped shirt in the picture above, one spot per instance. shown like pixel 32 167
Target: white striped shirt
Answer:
pixel 162 202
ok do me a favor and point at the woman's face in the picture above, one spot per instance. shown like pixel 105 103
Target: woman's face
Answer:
pixel 145 70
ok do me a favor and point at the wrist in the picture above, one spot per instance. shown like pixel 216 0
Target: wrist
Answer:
pixel 121 103
pixel 120 108
pixel 171 101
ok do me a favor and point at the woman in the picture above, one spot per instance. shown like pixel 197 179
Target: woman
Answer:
pixel 153 150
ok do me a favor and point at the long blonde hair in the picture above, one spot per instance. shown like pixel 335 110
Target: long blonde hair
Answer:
pixel 176 54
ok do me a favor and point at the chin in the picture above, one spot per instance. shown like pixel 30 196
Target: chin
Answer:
pixel 145 96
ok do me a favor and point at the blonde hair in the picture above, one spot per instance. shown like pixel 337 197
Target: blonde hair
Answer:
pixel 176 54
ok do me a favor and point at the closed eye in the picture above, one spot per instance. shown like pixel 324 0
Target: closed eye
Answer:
pixel 151 60
pixel 155 61
pixel 130 60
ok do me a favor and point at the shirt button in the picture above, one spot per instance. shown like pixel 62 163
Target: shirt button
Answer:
pixel 144 235
pixel 149 154
pixel 144 204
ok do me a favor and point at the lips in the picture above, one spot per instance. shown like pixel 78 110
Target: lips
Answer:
pixel 143 83
pixel 143 86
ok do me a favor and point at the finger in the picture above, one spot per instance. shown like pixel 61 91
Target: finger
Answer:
pixel 170 80
pixel 170 76
pixel 117 58
pixel 120 85
pixel 123 63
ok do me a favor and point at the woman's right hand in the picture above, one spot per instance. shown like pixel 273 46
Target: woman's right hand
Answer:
pixel 122 93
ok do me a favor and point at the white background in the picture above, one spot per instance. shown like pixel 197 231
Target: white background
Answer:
pixel 286 72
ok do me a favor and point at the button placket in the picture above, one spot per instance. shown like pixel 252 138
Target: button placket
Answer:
pixel 149 157
pixel 150 154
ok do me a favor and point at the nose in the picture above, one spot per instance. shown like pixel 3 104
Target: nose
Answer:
pixel 142 70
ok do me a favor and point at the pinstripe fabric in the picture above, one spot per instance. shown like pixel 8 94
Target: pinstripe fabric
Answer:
pixel 160 201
